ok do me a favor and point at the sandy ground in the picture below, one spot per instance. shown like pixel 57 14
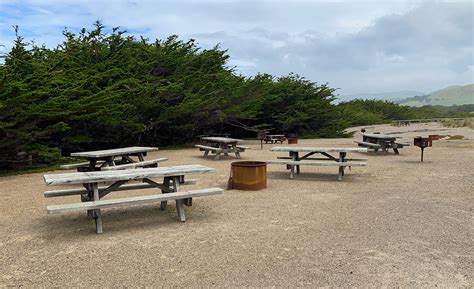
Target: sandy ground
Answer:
pixel 396 222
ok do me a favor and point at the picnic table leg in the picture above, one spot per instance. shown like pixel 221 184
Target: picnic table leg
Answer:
pixel 110 161
pixel 225 149
pixel 87 198
pixel 297 158
pixel 179 203
pixel 92 164
pixel 395 148
pixel 140 157
pixel 294 157
pixel 342 156
pixel 236 150
pixel 166 182
pixel 206 153
pixel 97 214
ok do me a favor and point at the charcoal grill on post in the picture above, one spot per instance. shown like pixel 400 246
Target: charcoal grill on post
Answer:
pixel 422 142
pixel 261 135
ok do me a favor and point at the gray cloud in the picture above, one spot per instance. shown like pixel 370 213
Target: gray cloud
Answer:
pixel 426 48
pixel 356 46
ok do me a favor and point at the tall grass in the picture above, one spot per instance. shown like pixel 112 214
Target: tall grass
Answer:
pixel 465 122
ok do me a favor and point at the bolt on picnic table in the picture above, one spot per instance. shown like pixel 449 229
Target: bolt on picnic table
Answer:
pixel 295 161
pixel 221 145
pixel 114 159
pixel 92 194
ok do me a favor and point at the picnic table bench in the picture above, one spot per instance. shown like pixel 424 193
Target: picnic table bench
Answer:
pixel 380 142
pixel 221 145
pixel 294 161
pixel 91 194
pixel 114 159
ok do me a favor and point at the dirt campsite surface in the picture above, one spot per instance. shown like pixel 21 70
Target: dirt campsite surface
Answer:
pixel 396 222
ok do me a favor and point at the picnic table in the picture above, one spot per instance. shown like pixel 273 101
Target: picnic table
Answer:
pixel 294 160
pixel 91 194
pixel 274 138
pixel 380 141
pixel 113 159
pixel 221 145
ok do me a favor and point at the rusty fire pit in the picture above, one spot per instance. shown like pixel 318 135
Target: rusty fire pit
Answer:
pixel 248 175
pixel 292 140
pixel 423 142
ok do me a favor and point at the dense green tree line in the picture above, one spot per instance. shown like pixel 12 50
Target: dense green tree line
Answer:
pixel 101 90
pixel 366 111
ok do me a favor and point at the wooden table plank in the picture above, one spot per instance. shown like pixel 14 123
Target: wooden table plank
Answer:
pixel 380 136
pixel 114 152
pixel 317 149
pixel 221 139
pixel 115 203
pixel 129 174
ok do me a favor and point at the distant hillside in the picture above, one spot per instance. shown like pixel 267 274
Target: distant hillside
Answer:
pixel 452 95
pixel 391 96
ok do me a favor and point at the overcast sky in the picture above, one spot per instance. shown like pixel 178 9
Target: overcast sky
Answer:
pixel 357 46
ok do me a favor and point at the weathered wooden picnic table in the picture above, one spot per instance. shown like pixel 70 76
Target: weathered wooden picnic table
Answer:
pixel 295 160
pixel 91 194
pixel 274 138
pixel 380 141
pixel 221 145
pixel 113 159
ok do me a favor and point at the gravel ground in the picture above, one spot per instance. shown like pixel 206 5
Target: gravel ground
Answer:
pixel 396 222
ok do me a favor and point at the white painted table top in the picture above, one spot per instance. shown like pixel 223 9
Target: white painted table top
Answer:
pixel 129 174
pixel 221 139
pixel 317 149
pixel 114 152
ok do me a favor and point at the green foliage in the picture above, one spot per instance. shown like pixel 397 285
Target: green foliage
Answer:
pixel 465 122
pixel 99 90
pixel 365 112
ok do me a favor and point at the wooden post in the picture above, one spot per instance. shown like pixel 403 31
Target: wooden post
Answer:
pixel 237 151
pixel 422 150
pixel 292 167
pixel 166 182
pixel 179 203
pixel 110 161
pixel 97 214
pixel 342 156
pixel 297 159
